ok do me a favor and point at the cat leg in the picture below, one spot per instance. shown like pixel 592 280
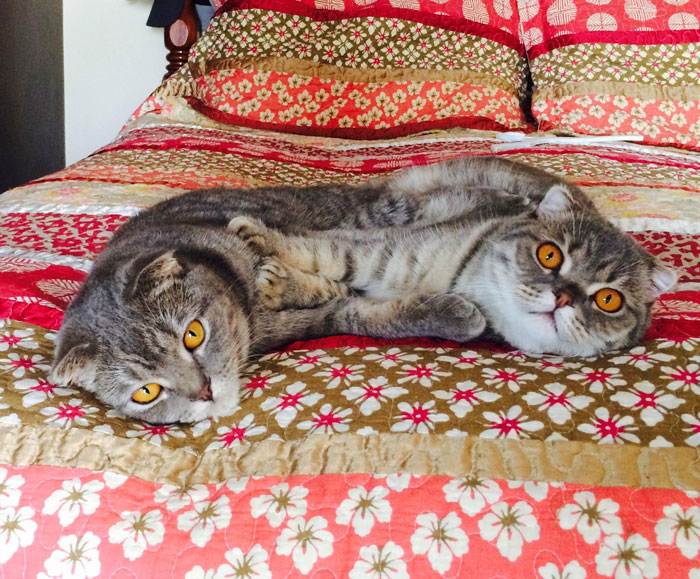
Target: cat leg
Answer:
pixel 446 316
pixel 283 278
pixel 253 231
pixel 313 254
pixel 283 287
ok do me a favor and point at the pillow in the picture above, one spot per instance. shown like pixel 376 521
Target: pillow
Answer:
pixel 356 71
pixel 604 67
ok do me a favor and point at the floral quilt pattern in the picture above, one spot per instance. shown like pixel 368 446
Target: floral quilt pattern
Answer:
pixel 356 526
pixel 348 456
pixel 616 68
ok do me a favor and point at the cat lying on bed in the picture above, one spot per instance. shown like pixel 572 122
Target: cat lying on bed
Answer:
pixel 189 290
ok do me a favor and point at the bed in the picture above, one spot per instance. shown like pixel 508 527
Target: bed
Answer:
pixel 357 457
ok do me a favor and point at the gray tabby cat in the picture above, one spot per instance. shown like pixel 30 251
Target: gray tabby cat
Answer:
pixel 173 309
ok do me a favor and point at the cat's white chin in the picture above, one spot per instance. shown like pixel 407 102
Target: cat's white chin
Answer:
pixel 537 333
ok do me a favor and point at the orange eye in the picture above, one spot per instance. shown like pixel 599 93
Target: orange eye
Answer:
pixel 549 256
pixel 194 335
pixel 608 300
pixel 146 394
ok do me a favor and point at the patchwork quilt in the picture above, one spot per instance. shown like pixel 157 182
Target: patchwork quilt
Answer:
pixel 349 456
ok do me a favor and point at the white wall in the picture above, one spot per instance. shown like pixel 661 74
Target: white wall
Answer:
pixel 112 62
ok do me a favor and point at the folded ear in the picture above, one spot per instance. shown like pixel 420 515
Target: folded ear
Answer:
pixel 663 278
pixel 556 201
pixel 76 366
pixel 156 275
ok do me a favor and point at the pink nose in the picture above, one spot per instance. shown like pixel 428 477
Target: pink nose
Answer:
pixel 205 393
pixel 563 298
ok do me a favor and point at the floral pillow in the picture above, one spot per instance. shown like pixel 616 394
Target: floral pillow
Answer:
pixel 616 67
pixel 356 71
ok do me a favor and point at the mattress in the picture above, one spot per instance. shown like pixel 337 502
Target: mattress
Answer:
pixel 350 456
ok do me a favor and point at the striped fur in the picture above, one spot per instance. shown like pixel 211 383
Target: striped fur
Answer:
pixel 443 251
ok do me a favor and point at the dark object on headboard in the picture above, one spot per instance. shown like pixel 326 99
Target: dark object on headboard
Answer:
pixel 179 19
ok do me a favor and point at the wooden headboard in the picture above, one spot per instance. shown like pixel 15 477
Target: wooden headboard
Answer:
pixel 180 36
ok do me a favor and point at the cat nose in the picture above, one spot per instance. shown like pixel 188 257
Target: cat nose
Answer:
pixel 562 298
pixel 205 393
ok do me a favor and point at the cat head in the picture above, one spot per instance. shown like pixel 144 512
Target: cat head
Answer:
pixel 162 339
pixel 566 281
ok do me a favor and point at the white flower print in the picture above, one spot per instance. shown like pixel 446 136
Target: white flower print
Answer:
pixel 380 563
pixel 606 429
pixel 305 541
pixel 327 420
pixel 538 490
pixel 685 379
pixel 17 530
pixel 642 359
pixel 114 480
pixel 250 565
pixel 199 428
pixel 69 413
pixel 511 424
pixel 77 557
pixel 22 338
pixel 590 518
pixel 308 360
pixel 571 570
pixel 156 433
pixel 36 391
pixel 338 374
pixel 680 527
pixel 206 516
pixel 694 423
pixel 511 527
pixel 391 358
pixel 255 386
pixel 466 359
pixel 694 573
pixel 509 377
pixel 628 558
pixel 441 539
pixel 465 396
pixel 280 503
pixel 598 380
pixel 238 484
pixel 654 404
pixel 21 365
pixel 367 431
pixel 295 398
pixel 373 394
pixel 689 344
pixel 424 375
pixel 72 499
pixel 418 418
pixel 396 481
pixel 11 419
pixel 178 497
pixel 198 573
pixel 552 364
pixel 137 531
pixel 557 401
pixel 472 493
pixel 9 489
pixel 236 434
pixel 362 507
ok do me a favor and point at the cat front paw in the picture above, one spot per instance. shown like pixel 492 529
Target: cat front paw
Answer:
pixel 454 317
pixel 271 282
pixel 253 231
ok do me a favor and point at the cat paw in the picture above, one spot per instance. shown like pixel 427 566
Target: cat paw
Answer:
pixel 271 282
pixel 250 230
pixel 454 317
